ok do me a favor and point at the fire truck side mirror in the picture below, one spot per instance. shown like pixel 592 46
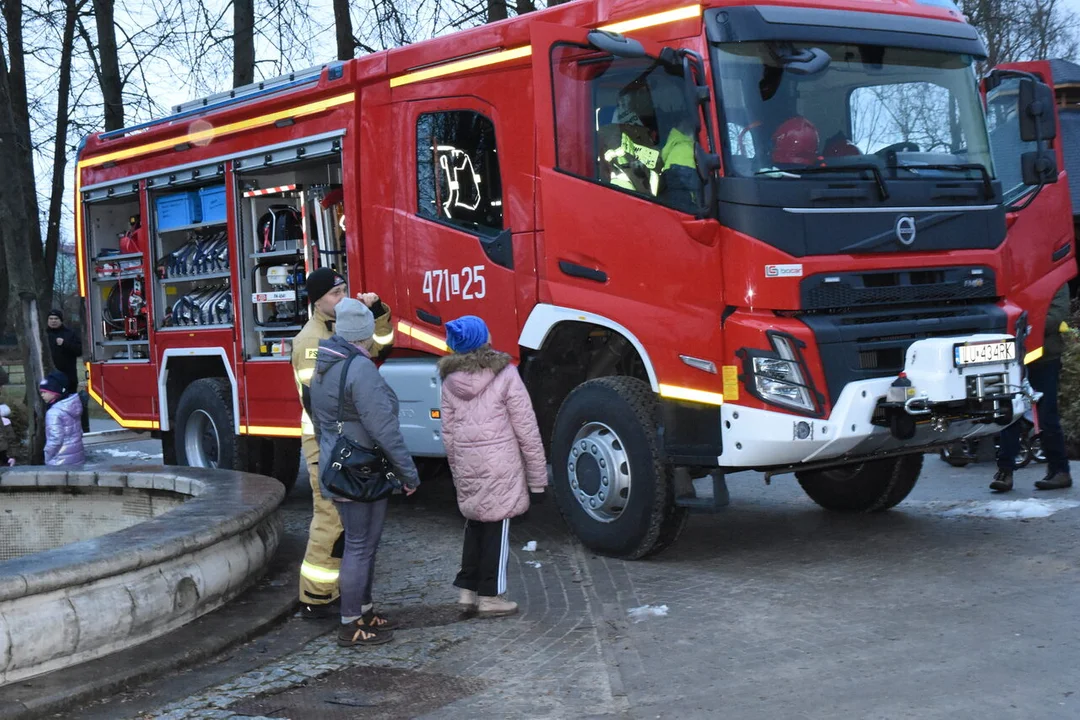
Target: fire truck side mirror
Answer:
pixel 1039 167
pixel 616 44
pixel 1036 106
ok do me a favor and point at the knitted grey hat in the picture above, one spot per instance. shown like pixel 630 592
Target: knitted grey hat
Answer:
pixel 354 320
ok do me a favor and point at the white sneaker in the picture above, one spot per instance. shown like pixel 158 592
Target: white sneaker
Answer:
pixel 496 607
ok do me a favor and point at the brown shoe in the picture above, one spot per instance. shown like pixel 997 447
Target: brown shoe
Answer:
pixel 1055 481
pixel 379 622
pixel 1003 481
pixel 360 633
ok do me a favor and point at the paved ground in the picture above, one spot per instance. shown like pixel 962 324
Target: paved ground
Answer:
pixel 771 609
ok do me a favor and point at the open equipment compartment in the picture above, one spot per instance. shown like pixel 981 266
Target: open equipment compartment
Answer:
pixel 193 258
pixel 117 267
pixel 285 232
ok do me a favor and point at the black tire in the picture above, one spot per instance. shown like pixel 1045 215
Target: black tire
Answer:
pixel 168 448
pixel 870 486
pixel 649 519
pixel 285 461
pixel 207 402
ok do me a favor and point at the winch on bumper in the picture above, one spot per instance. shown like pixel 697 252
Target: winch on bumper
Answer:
pixel 960 387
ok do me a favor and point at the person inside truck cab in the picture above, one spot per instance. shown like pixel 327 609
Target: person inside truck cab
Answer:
pixel 628 139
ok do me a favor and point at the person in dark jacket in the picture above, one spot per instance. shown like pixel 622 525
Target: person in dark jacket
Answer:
pixel 370 418
pixel 1043 374
pixel 65 346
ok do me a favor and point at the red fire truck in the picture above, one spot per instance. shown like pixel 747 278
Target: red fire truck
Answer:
pixel 716 237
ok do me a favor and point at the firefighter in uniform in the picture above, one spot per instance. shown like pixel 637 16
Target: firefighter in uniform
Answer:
pixel 632 156
pixel 322 560
pixel 680 184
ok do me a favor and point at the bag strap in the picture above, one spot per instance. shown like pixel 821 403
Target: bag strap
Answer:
pixel 341 395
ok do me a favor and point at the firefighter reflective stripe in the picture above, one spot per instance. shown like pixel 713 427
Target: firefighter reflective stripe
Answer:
pixel 678 150
pixel 623 157
pixel 305 375
pixel 647 155
pixel 306 426
pixel 318 574
pixel 384 339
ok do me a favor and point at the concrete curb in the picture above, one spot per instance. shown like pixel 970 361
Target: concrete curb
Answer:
pixel 269 601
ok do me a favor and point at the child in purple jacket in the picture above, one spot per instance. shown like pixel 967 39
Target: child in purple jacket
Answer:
pixel 63 422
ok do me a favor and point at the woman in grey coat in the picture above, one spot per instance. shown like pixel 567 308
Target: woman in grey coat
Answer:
pixel 370 414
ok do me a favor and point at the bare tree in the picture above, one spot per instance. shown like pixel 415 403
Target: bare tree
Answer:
pixel 346 43
pixel 243 42
pixel 112 83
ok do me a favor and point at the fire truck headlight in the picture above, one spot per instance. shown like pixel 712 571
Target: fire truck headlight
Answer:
pixel 780 377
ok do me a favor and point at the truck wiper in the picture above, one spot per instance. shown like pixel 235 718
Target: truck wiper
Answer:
pixel 823 169
pixel 988 187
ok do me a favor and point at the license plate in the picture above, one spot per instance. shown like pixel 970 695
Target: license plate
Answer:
pixel 985 353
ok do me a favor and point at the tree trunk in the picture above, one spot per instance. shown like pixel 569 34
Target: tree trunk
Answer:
pixel 496 10
pixel 59 169
pixel 5 294
pixel 33 372
pixel 526 6
pixel 346 45
pixel 112 83
pixel 243 42
pixel 13 18
pixel 20 232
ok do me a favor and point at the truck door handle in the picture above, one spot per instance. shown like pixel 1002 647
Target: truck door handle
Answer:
pixel 428 317
pixel 580 271
pixel 1062 251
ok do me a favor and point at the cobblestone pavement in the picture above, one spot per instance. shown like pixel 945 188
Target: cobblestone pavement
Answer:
pixel 772 608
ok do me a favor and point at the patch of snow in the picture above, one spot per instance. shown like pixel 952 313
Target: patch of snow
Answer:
pixel 646 611
pixel 530 546
pixel 534 563
pixel 1026 509
pixel 126 453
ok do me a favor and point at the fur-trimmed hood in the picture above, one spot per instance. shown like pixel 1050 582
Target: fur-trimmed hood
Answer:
pixel 468 374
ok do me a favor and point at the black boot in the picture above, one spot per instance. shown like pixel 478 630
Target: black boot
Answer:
pixel 1055 481
pixel 1003 481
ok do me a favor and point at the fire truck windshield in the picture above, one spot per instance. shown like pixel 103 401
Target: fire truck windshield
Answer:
pixel 903 114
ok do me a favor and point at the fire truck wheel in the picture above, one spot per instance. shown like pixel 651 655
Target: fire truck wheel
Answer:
pixel 204 427
pixel 863 487
pixel 168 448
pixel 611 485
pixel 286 462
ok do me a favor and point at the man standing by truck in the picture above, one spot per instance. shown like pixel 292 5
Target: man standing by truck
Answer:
pixel 1044 374
pixel 322 559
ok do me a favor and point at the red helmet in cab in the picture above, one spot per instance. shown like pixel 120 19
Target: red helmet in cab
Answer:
pixel 795 142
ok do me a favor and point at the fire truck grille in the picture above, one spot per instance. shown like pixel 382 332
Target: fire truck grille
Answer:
pixel 842 291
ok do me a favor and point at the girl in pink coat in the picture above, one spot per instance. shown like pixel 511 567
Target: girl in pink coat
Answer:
pixel 493 444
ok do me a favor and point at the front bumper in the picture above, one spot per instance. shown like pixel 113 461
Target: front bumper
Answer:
pixel 945 411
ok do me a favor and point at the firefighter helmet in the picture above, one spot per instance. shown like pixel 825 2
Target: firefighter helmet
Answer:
pixel 795 142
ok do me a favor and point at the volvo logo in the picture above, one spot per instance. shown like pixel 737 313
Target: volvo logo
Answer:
pixel 905 229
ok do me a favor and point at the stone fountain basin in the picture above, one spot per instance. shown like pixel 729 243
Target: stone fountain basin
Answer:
pixel 210 537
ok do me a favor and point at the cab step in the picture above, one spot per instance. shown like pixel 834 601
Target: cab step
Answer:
pixel 702 501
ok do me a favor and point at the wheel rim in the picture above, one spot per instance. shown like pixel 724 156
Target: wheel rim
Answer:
pixel 202 445
pixel 599 472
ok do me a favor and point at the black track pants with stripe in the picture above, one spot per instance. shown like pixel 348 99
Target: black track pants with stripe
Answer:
pixel 484 556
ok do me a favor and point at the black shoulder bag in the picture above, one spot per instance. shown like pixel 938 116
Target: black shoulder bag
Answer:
pixel 354 471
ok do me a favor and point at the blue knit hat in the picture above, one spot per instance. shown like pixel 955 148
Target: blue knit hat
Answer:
pixel 54 382
pixel 466 334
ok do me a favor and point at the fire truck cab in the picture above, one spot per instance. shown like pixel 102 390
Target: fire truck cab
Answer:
pixel 715 237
